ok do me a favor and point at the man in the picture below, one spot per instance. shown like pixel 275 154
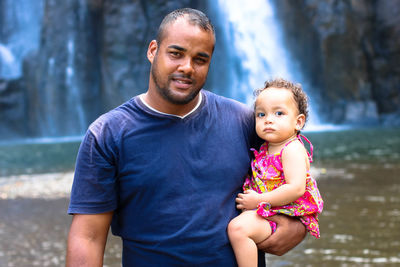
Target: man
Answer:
pixel 164 168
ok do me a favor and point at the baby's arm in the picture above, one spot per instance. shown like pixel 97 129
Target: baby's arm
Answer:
pixel 295 165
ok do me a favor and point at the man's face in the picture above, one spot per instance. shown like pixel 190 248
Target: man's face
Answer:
pixel 180 63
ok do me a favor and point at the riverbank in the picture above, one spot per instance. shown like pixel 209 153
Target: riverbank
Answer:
pixel 43 186
pixel 34 222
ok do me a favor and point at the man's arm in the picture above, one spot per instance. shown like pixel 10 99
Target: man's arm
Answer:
pixel 289 233
pixel 87 239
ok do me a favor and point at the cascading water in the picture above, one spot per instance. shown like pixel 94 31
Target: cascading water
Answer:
pixel 255 34
pixel 8 66
pixel 47 73
pixel 20 24
pixel 62 88
pixel 74 98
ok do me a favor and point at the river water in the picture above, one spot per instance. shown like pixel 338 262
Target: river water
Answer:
pixel 358 173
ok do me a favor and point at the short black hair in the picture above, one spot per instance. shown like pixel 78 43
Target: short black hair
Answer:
pixel 194 16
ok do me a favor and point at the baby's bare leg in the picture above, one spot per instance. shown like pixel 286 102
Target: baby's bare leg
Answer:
pixel 245 231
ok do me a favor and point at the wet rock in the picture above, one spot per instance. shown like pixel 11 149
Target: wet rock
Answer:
pixel 12 108
pixel 361 113
pixel 91 57
pixel 349 51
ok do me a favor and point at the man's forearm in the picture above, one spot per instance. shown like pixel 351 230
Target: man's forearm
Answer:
pixel 87 239
pixel 82 253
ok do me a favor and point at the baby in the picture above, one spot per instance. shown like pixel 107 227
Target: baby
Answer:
pixel 280 182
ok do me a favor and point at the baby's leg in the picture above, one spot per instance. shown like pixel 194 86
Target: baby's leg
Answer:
pixel 245 231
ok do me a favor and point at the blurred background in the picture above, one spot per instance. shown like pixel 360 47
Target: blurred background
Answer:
pixel 63 63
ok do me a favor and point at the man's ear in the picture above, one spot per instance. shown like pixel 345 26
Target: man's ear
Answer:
pixel 300 121
pixel 152 50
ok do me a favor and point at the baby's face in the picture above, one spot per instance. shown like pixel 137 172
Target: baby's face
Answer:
pixel 276 115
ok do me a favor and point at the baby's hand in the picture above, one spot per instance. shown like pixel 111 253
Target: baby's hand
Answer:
pixel 248 200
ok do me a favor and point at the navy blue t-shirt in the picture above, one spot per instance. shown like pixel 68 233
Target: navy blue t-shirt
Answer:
pixel 170 181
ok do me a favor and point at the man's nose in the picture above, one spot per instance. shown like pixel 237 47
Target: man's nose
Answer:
pixel 186 66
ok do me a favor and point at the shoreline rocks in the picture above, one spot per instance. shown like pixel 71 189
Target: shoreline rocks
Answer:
pixel 43 186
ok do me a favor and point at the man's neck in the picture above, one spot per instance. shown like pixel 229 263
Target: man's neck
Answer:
pixel 180 111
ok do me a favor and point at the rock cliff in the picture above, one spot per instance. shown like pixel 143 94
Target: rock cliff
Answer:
pixel 350 51
pixel 91 57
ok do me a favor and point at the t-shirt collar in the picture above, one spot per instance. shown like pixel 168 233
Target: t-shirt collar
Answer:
pixel 163 113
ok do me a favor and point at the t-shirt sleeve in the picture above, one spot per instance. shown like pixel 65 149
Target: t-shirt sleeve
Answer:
pixel 94 187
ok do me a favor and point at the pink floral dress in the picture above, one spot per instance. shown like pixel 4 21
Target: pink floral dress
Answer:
pixel 267 175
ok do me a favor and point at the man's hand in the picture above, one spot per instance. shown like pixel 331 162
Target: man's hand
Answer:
pixel 248 200
pixel 289 233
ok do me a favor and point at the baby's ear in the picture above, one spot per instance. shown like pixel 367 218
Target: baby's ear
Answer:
pixel 300 121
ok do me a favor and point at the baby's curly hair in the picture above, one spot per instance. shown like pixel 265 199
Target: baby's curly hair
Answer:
pixel 299 95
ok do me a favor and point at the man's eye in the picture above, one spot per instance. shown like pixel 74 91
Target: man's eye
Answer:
pixel 260 115
pixel 174 54
pixel 200 60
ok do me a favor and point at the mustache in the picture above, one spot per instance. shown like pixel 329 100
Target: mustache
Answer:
pixel 180 76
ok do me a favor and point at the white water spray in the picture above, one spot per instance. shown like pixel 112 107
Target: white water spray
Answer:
pixel 254 31
pixel 19 35
pixel 74 97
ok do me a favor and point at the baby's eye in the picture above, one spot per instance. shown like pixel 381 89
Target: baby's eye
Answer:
pixel 260 115
pixel 279 113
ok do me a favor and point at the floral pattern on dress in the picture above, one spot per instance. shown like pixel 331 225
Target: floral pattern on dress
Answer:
pixel 267 175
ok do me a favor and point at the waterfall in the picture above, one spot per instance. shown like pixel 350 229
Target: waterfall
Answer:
pixel 20 24
pixel 55 58
pixel 74 98
pixel 255 34
pixel 47 68
pixel 8 66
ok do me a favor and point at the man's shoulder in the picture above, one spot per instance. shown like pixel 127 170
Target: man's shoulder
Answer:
pixel 226 103
pixel 115 119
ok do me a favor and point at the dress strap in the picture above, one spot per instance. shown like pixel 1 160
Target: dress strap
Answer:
pixel 298 137
pixel 261 152
pixel 310 154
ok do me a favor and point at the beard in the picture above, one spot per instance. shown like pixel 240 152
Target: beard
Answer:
pixel 167 93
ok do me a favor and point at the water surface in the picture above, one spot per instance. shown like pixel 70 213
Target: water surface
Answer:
pixel 358 173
